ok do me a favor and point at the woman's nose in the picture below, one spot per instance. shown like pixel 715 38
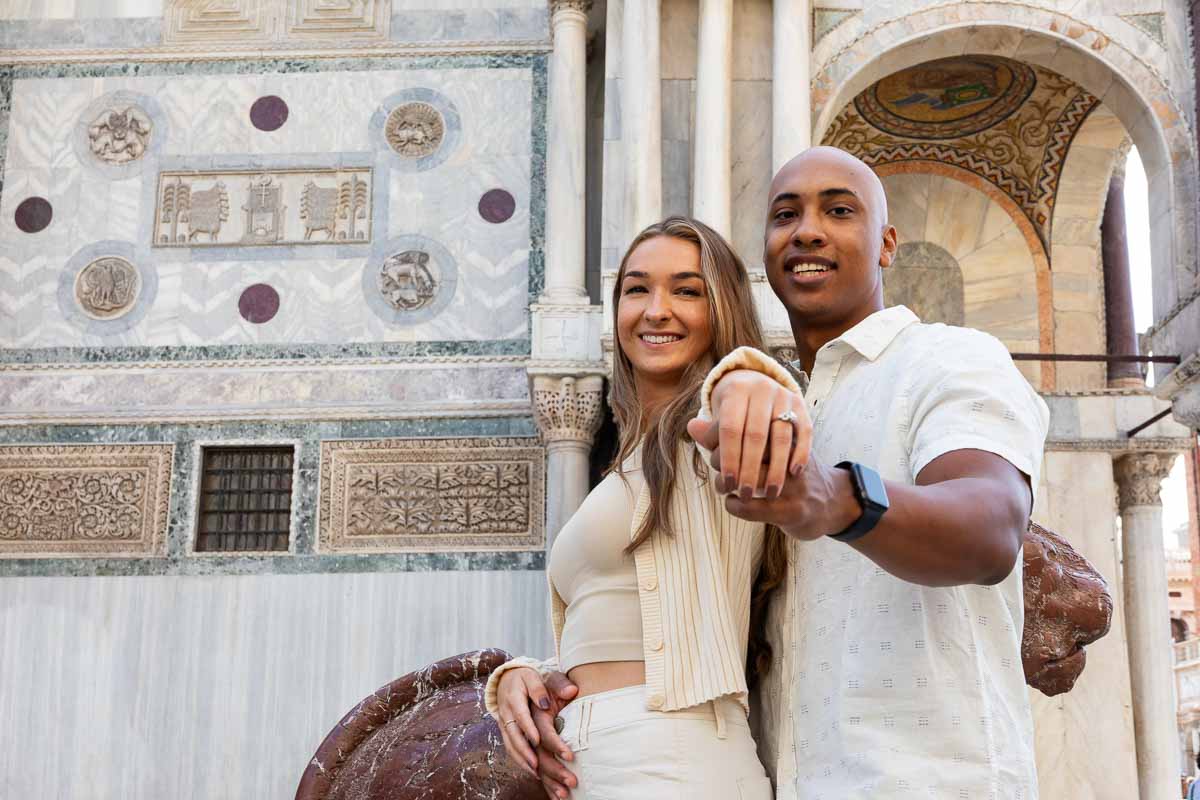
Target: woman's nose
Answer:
pixel 659 307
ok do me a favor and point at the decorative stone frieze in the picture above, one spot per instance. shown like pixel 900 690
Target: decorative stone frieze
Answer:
pixel 419 495
pixel 1139 477
pixel 568 408
pixel 188 21
pixel 84 500
pixel 223 208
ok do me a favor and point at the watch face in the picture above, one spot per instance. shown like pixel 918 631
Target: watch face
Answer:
pixel 873 490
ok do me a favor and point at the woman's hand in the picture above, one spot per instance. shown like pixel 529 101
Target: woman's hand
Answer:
pixel 527 711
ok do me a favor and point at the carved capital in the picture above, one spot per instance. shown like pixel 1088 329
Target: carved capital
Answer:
pixel 1139 477
pixel 568 408
pixel 582 6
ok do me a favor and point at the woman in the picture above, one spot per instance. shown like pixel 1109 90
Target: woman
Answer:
pixel 651 579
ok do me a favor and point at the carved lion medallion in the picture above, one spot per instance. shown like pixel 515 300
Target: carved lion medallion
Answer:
pixel 406 282
pixel 415 129
pixel 120 135
pixel 107 288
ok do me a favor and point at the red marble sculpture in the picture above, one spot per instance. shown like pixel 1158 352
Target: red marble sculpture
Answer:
pixel 426 736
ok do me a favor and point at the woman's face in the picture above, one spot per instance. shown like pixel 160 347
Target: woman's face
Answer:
pixel 663 322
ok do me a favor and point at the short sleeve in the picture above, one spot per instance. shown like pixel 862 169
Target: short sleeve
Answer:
pixel 965 393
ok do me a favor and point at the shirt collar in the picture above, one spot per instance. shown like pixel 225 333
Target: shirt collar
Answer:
pixel 872 336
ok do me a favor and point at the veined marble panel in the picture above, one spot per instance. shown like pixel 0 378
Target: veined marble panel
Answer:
pixel 389 495
pixel 84 500
pixel 284 390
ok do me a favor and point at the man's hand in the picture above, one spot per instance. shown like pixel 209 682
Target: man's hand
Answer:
pixel 746 434
pixel 527 709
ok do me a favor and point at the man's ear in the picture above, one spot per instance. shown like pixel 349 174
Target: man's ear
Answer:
pixel 887 252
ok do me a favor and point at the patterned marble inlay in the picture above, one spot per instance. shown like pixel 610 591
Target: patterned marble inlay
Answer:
pixel 107 288
pixel 84 500
pixel 381 495
pixel 271 207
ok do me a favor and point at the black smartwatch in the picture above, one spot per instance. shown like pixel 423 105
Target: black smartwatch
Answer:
pixel 870 494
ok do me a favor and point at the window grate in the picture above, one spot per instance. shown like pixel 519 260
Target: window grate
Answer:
pixel 245 499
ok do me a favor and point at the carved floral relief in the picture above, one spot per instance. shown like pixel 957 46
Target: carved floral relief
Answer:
pixel 431 494
pixel 84 499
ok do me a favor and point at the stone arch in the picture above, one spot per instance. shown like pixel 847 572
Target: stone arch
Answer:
pixel 1045 372
pixel 1131 88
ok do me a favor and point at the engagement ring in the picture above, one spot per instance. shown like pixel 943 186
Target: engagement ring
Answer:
pixel 787 416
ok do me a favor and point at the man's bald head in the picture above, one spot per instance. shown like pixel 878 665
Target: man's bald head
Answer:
pixel 862 178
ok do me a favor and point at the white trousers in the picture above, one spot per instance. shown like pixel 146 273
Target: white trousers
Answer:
pixel 625 752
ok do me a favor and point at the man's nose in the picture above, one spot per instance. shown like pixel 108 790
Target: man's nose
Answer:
pixel 808 232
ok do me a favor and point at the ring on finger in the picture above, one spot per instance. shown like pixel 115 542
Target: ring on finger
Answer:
pixel 508 722
pixel 787 416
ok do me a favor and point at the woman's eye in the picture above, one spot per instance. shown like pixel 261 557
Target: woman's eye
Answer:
pixel 632 289
pixel 691 292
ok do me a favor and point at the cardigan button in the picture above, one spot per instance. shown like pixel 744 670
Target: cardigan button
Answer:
pixel 650 584
pixel 656 645
pixel 655 701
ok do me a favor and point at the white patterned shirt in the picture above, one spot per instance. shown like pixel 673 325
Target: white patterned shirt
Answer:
pixel 884 688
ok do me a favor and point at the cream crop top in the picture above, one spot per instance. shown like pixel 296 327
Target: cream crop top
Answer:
pixel 596 579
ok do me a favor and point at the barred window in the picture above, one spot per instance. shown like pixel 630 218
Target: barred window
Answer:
pixel 245 499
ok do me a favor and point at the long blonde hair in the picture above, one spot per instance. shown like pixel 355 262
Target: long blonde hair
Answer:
pixel 734 323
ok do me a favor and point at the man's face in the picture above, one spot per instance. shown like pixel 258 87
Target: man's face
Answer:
pixel 826 238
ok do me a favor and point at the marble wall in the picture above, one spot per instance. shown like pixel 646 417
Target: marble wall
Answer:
pixel 469 205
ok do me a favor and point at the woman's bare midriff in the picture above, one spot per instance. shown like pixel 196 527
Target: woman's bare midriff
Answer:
pixel 604 676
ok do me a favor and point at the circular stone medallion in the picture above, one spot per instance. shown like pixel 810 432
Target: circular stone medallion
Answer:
pixel 269 113
pixel 120 134
pixel 497 206
pixel 415 129
pixel 33 214
pixel 107 288
pixel 406 281
pixel 259 303
pixel 947 98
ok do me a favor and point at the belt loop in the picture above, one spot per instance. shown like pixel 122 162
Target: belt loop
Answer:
pixel 719 711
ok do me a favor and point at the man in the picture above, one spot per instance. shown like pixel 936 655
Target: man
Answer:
pixel 896 637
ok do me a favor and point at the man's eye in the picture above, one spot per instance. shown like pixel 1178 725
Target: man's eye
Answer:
pixel 785 213
pixel 841 211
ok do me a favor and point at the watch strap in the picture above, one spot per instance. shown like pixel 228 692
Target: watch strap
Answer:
pixel 871 513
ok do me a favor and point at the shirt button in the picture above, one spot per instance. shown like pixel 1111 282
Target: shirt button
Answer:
pixel 655 701
pixel 650 584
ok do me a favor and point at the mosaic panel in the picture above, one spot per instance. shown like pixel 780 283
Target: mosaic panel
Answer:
pixel 390 495
pixel 1009 123
pixel 84 500
pixel 272 207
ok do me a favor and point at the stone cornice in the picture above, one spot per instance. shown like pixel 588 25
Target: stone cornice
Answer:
pixel 268 363
pixel 289 50
pixel 1137 444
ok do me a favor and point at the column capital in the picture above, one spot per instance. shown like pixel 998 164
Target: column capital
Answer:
pixel 1139 477
pixel 568 408
pixel 582 6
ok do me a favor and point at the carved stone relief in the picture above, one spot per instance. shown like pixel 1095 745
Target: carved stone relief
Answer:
pixel 406 282
pixel 387 495
pixel 109 500
pixel 274 21
pixel 415 130
pixel 107 288
pixel 568 408
pixel 120 135
pixel 277 207
pixel 1139 477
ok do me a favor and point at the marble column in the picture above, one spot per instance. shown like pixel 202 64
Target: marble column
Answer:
pixel 641 112
pixel 791 95
pixel 1147 621
pixel 568 411
pixel 565 155
pixel 712 191
pixel 1118 295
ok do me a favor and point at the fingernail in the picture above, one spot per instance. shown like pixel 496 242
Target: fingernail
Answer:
pixel 796 470
pixel 774 491
pixel 567 756
pixel 544 704
pixel 746 492
pixel 727 482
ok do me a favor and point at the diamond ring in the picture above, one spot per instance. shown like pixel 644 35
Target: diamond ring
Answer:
pixel 787 416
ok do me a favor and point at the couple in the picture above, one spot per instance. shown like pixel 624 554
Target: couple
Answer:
pixel 850 548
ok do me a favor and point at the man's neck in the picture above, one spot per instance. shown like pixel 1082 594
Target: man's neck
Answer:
pixel 812 335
